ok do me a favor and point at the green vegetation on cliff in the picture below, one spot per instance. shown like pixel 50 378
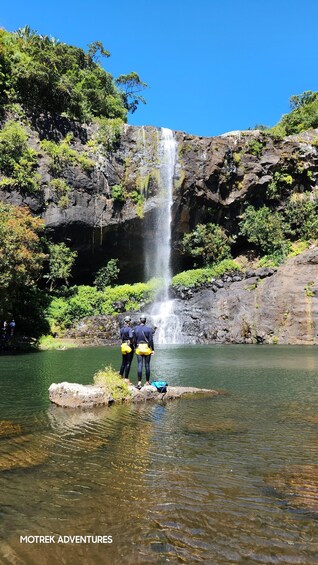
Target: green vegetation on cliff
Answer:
pixel 197 277
pixel 81 301
pixel 207 244
pixel 44 74
pixel 18 162
pixel 303 115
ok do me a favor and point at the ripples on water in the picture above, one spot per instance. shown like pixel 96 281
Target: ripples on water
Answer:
pixel 196 480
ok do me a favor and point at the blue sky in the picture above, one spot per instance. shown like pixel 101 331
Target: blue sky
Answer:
pixel 211 65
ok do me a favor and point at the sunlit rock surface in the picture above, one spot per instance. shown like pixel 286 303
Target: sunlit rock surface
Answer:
pixel 71 395
pixel 281 307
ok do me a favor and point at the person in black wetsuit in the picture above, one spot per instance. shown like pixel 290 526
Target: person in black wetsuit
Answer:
pixel 126 335
pixel 143 338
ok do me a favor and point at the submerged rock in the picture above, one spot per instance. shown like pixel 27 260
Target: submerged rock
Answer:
pixel 298 485
pixel 24 452
pixel 226 426
pixel 8 429
pixel 72 395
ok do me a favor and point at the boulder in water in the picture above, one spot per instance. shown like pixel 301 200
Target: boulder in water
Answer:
pixel 72 395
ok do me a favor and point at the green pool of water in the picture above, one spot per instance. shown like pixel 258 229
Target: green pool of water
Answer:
pixel 190 481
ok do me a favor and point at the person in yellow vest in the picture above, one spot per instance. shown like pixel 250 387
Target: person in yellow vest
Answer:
pixel 127 348
pixel 143 339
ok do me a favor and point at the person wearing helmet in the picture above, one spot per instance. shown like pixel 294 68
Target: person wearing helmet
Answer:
pixel 127 348
pixel 143 338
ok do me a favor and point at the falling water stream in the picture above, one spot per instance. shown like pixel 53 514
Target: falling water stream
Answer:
pixel 162 312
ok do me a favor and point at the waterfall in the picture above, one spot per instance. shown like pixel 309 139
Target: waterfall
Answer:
pixel 159 252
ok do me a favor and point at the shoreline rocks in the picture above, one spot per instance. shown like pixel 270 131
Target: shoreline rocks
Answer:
pixel 73 395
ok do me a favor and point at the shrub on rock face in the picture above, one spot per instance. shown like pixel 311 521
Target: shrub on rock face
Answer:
pixel 265 229
pixel 107 275
pixel 18 162
pixel 207 243
pixel 114 385
pixel 198 277
pixel 303 115
pixel 301 216
pixel 88 301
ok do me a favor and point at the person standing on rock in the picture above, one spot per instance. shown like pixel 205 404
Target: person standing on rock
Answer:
pixel 143 337
pixel 127 348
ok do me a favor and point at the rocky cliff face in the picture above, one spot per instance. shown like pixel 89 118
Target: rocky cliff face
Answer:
pixel 260 306
pixel 266 306
pixel 214 177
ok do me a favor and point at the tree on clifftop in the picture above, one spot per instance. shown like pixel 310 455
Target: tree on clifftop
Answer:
pixel 303 115
pixel 44 74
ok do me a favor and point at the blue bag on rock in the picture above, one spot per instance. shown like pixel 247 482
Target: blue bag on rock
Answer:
pixel 161 386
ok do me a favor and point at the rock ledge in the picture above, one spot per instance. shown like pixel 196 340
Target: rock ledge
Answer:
pixel 72 395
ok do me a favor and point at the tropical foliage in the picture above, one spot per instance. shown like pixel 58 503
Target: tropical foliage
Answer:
pixel 44 74
pixel 61 262
pixel 21 255
pixel 21 261
pixel 303 115
pixel 18 162
pixel 207 243
pixel 107 275
pixel 197 277
pixel 264 228
pixel 88 301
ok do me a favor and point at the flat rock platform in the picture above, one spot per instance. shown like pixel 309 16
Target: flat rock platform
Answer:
pixel 73 395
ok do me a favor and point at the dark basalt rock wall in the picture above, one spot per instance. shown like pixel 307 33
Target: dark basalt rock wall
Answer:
pixel 214 177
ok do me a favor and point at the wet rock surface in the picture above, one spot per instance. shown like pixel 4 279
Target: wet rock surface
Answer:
pixel 71 395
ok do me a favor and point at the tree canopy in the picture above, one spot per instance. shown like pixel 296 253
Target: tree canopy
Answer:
pixel 44 74
pixel 21 259
pixel 61 262
pixel 21 255
pixel 303 115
